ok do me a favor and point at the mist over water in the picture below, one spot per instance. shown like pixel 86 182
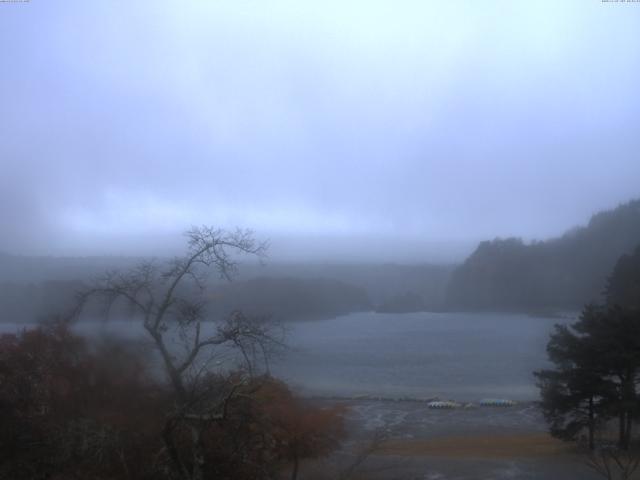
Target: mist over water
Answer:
pixel 459 356
pixel 407 172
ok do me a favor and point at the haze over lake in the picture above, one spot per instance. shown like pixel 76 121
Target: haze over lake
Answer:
pixel 463 356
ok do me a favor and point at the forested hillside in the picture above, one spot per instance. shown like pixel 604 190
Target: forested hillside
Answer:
pixel 565 272
pixel 35 287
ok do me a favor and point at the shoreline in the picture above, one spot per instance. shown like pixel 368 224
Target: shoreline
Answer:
pixel 463 444
pixel 490 445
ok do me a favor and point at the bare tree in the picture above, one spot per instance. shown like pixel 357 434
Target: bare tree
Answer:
pixel 362 455
pixel 613 463
pixel 356 466
pixel 170 301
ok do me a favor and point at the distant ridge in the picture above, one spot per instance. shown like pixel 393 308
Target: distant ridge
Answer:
pixel 565 272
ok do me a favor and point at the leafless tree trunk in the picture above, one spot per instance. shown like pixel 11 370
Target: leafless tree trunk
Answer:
pixel 613 463
pixel 170 300
pixel 376 441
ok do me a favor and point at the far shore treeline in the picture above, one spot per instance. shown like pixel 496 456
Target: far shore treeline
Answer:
pixel 560 274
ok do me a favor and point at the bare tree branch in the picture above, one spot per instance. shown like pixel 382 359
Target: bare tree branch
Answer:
pixel 170 301
pixel 613 463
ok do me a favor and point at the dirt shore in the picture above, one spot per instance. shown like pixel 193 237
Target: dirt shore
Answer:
pixel 500 446
pixel 480 443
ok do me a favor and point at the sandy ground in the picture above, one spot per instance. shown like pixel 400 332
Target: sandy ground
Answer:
pixel 464 444
pixel 496 446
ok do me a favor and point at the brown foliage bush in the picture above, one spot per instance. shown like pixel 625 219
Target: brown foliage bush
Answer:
pixel 74 410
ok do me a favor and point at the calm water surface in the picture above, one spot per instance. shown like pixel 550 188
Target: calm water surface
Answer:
pixel 463 356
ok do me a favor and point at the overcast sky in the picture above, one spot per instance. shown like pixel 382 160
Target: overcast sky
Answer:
pixel 384 130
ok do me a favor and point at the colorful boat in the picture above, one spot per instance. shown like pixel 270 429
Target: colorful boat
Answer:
pixel 443 404
pixel 497 402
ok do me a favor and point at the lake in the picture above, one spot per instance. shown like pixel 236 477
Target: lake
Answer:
pixel 462 356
